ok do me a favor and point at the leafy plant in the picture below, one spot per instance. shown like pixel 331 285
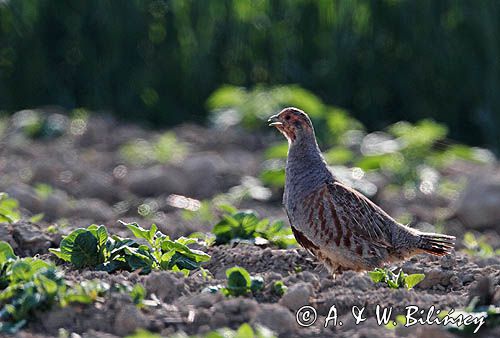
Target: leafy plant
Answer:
pixel 239 225
pixel 29 284
pixel 240 282
pixel 94 247
pixel 9 209
pixel 165 148
pixel 478 246
pixel 279 288
pixel 43 190
pixel 141 333
pixel 138 293
pixel 232 105
pixel 396 281
pixel 36 124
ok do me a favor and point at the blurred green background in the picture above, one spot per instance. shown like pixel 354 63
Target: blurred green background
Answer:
pixel 159 61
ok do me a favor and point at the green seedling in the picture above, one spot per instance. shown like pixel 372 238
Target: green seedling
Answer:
pixel 396 281
pixel 165 148
pixel 94 247
pixel 247 226
pixel 138 294
pixel 279 288
pixel 28 285
pixel 240 283
pixel 43 190
pixel 9 209
pixel 478 247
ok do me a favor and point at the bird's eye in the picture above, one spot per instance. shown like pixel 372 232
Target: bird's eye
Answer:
pixel 287 117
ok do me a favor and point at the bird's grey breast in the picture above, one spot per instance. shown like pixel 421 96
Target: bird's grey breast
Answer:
pixel 298 186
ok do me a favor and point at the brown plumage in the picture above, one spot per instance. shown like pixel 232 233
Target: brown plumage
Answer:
pixel 337 224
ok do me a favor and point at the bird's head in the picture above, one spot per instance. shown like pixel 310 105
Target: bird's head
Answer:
pixel 293 123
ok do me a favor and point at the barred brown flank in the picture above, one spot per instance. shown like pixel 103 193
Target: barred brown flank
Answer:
pixel 304 241
pixel 337 224
pixel 341 226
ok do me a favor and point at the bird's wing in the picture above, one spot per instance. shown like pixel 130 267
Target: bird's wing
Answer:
pixel 356 215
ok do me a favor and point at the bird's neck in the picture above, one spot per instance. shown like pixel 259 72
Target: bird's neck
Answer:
pixel 306 168
pixel 305 151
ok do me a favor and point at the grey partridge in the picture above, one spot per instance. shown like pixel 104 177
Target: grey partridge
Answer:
pixel 337 224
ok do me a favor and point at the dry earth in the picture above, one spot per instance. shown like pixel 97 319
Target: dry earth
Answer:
pixel 92 183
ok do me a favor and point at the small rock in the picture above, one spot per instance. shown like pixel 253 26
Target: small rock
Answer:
pixel 435 277
pixel 59 317
pixel 277 318
pixel 360 282
pixel 165 285
pixel 30 238
pixel 128 319
pixel 456 282
pixel 483 291
pixel 26 197
pixel 448 261
pixel 230 311
pixel 296 296
pixel 5 235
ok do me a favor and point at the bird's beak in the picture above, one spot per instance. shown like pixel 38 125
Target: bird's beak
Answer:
pixel 274 121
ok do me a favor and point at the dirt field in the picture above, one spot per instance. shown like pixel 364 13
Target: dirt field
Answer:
pixel 91 181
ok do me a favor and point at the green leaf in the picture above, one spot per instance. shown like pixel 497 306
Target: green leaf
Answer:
pixel 140 232
pixel 238 280
pixel 414 279
pixel 21 270
pixel 78 298
pixel 102 236
pixel 245 331
pixel 199 256
pixel 257 283
pixel 279 150
pixel 67 243
pixel 392 284
pixel 84 251
pixel 139 258
pixel 227 208
pixel 400 278
pixel 138 294
pixel 9 211
pixel 377 276
pixel 50 286
pixel 186 241
pixel 182 262
pixel 6 252
pixel 12 328
pixel 279 288
pixel 113 265
pixel 64 256
pixel 141 333
pixel 37 218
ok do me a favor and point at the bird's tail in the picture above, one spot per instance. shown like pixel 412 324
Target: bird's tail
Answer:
pixel 436 244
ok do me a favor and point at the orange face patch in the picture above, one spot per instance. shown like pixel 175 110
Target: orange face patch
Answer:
pixel 291 120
